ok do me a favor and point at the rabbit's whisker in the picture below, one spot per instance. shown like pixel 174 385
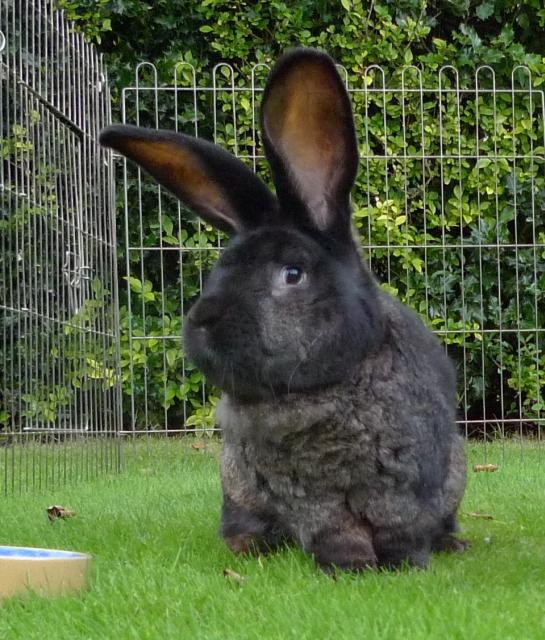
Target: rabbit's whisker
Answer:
pixel 301 360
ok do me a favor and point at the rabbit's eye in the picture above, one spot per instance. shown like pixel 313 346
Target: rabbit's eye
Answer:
pixel 292 275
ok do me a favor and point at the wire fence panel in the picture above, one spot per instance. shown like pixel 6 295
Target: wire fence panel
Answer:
pixel 449 204
pixel 58 282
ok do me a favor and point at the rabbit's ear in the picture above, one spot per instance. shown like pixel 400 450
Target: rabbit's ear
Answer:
pixel 310 139
pixel 212 182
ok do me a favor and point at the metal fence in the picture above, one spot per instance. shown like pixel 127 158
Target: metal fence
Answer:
pixel 449 203
pixel 58 281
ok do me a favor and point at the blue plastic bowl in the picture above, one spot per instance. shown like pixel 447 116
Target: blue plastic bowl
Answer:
pixel 47 571
pixel 30 552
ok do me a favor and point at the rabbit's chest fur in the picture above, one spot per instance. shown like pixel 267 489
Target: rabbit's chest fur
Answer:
pixel 379 445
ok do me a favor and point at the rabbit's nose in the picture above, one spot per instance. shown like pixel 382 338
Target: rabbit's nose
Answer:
pixel 207 311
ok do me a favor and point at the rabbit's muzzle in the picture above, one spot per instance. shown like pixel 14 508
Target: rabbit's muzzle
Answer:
pixel 214 340
pixel 207 312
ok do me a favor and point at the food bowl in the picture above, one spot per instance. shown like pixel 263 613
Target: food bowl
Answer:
pixel 46 571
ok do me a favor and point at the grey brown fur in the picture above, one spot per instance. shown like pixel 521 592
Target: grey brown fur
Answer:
pixel 338 411
pixel 373 462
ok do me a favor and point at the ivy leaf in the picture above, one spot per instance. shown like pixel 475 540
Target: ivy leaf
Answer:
pixel 168 225
pixel 482 163
pixel 485 10
pixel 172 356
pixel 135 284
pixel 471 34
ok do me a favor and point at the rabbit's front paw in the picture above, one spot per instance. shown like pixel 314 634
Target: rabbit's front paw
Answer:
pixel 242 544
pixel 347 550
pixel 450 544
pixel 249 532
pixel 396 548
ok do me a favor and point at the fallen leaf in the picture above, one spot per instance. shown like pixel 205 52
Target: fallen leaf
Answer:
pixel 485 467
pixel 55 512
pixel 198 446
pixel 482 516
pixel 233 575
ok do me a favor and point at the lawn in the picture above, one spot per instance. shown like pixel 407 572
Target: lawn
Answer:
pixel 158 569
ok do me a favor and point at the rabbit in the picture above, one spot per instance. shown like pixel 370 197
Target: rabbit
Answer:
pixel 338 404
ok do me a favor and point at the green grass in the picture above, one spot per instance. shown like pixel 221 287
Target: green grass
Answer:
pixel 158 563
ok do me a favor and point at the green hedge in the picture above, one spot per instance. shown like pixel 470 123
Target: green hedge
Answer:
pixel 466 201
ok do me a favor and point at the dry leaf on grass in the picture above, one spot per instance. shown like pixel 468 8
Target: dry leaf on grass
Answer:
pixel 198 446
pixel 56 512
pixel 481 516
pixel 233 575
pixel 485 467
